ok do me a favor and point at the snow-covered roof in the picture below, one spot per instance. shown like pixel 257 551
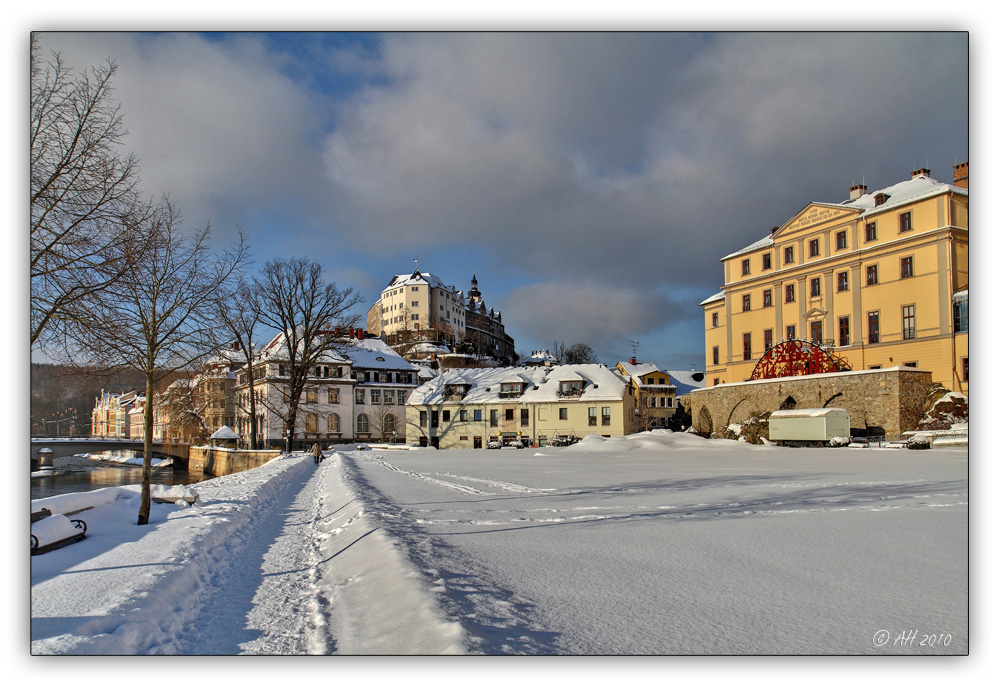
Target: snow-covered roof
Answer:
pixel 916 188
pixel 686 380
pixel 721 296
pixel 225 432
pixel 417 278
pixel 601 383
pixel 375 354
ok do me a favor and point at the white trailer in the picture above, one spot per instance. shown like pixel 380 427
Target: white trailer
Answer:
pixel 803 426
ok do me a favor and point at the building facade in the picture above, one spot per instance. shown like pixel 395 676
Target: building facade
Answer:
pixel 110 416
pixel 356 391
pixel 420 307
pixel 878 280
pixel 655 395
pixel 468 408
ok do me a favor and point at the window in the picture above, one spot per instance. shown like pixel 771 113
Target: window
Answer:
pixel 494 418
pixel 362 424
pixel 765 261
pixel 333 396
pixel 414 304
pixel 446 415
pixel 905 267
pixel 333 423
pixel 870 232
pixel 747 353
pixel 905 223
pixel 414 317
pixel 790 332
pixel 909 321
pixel 965 369
pixel 463 415
pixel 508 414
pixel 524 417
pixel 571 388
pixel 376 397
pixel 715 355
pixel 814 289
pixel 746 267
pixel 873 329
pixel 880 199
pixel 961 314
pixel 388 397
pixel 477 415
pixel 564 413
pixel 789 255
pixel 842 284
pixel 789 293
pixel 813 248
pixel 746 302
pixel 423 418
pixel 844 324
pixel 816 332
pixel 871 273
pixel 359 396
pixel 768 339
pixel 605 416
pixel 401 397
pixel 311 423
pixel 767 298
pixel 715 320
pixel 389 424
pixel 592 417
pixel 312 396
pixel 435 418
pixel 841 240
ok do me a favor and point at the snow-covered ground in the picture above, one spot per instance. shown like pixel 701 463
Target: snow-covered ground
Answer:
pixel 657 543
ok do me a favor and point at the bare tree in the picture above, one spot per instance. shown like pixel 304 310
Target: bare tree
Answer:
pixel 161 318
pixel 306 311
pixel 240 314
pixel 577 354
pixel 86 211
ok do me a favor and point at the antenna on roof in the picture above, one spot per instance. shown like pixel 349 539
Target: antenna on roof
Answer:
pixel 635 348
pixel 417 264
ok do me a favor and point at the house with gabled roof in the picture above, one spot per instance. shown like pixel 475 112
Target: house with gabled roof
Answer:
pixel 470 407
pixel 655 395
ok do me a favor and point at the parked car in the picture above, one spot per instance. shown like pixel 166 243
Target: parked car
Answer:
pixel 563 440
pixel 516 444
pixel 494 443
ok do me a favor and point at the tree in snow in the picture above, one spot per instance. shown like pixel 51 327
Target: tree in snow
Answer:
pixel 87 215
pixel 240 314
pixel 307 311
pixel 577 354
pixel 160 318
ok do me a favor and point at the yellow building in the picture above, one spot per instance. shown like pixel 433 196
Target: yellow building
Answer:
pixel 470 407
pixel 655 395
pixel 879 280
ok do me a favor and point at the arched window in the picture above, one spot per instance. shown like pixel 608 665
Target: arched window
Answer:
pixel 389 424
pixel 362 424
pixel 333 423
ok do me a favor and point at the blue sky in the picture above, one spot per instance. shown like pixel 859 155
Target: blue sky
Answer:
pixel 590 180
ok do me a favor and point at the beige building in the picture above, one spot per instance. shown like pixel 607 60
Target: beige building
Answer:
pixel 878 280
pixel 420 307
pixel 655 395
pixel 356 391
pixel 110 416
pixel 468 408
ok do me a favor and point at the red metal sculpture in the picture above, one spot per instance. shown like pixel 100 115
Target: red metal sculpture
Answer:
pixel 797 357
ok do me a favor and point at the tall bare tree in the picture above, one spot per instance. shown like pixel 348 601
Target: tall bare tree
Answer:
pixel 240 314
pixel 305 309
pixel 86 211
pixel 161 318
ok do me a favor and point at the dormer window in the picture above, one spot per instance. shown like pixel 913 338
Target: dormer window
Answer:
pixel 455 392
pixel 571 388
pixel 880 199
pixel 511 389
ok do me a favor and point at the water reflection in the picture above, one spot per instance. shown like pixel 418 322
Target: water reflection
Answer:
pixel 80 473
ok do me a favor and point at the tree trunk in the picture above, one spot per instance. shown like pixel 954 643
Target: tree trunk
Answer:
pixel 147 451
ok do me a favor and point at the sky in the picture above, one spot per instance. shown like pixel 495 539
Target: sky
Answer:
pixel 591 181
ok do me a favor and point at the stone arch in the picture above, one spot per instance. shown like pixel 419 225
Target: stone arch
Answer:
pixel 704 426
pixel 788 404
pixel 830 400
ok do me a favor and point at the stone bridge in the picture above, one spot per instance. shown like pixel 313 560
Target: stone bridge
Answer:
pixel 68 446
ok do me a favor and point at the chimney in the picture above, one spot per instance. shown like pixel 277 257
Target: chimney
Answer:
pixel 923 171
pixel 962 175
pixel 632 360
pixel 858 191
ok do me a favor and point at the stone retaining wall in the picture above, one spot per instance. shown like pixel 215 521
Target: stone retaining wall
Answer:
pixel 890 399
pixel 223 461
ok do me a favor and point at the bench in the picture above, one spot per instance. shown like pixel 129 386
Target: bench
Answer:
pixel 49 532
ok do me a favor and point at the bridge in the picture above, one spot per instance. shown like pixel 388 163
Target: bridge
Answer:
pixel 68 446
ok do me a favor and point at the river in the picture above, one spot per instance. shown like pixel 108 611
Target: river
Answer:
pixel 80 473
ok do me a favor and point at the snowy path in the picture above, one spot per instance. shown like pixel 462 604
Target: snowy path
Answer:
pixel 278 560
